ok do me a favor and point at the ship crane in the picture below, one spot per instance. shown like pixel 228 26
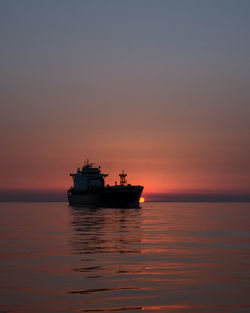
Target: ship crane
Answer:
pixel 123 180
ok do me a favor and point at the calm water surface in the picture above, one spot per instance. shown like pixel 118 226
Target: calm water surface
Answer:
pixel 164 257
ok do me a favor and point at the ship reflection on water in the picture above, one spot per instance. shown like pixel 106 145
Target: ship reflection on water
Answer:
pixel 108 240
pixel 106 230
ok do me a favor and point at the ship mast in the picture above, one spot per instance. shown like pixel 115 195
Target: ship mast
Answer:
pixel 88 164
pixel 123 180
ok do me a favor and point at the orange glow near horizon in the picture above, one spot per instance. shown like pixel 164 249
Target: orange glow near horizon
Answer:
pixel 142 200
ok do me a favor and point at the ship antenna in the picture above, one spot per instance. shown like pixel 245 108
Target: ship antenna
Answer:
pixel 123 180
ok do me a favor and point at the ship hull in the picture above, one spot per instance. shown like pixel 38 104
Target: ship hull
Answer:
pixel 115 196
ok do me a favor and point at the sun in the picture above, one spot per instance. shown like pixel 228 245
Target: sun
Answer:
pixel 142 200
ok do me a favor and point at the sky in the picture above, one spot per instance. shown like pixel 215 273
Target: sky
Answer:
pixel 158 88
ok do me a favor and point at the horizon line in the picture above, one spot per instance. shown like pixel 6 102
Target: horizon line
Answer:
pixel 61 196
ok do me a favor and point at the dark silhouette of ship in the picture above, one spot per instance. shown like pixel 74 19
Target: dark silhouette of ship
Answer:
pixel 89 189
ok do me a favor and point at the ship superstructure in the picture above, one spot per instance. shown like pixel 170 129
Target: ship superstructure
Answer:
pixel 89 189
pixel 89 178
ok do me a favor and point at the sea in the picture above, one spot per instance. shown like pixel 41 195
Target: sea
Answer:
pixel 162 257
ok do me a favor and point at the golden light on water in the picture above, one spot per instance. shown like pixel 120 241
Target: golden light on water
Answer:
pixel 142 200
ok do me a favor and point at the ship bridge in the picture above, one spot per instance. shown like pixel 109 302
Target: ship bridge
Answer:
pixel 89 178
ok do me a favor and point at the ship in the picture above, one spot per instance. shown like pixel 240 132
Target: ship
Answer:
pixel 89 189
